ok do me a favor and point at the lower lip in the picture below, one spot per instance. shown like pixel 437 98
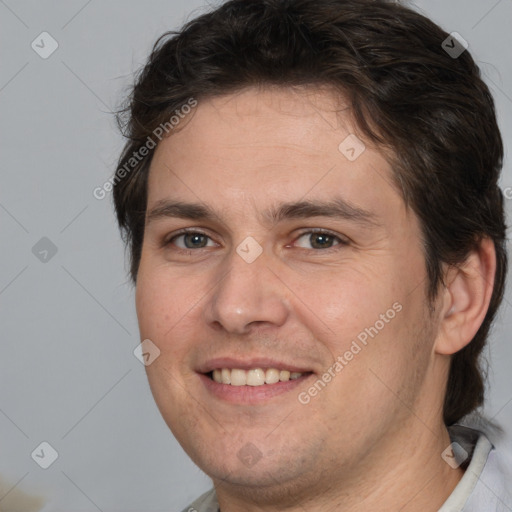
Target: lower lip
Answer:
pixel 250 395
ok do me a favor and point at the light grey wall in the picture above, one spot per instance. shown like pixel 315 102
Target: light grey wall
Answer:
pixel 68 375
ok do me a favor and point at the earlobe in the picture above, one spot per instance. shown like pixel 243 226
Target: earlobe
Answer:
pixel 466 298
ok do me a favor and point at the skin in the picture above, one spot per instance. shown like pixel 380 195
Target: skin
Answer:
pixel 372 438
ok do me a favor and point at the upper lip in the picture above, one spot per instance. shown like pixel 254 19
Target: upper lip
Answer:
pixel 249 364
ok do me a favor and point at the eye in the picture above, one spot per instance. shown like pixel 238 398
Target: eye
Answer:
pixel 319 239
pixel 190 240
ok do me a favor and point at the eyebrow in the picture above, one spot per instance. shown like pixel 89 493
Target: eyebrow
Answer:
pixel 182 210
pixel 335 208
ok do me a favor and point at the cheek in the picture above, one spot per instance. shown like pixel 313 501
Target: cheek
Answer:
pixel 163 303
pixel 150 303
pixel 370 322
pixel 345 304
pixel 385 361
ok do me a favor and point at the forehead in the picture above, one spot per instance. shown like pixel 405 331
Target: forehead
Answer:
pixel 261 146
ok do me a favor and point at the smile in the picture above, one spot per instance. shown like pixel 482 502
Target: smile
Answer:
pixel 253 376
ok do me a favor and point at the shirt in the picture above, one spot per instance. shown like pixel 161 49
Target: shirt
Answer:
pixel 487 482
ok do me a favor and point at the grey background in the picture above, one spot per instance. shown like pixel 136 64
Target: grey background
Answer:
pixel 67 372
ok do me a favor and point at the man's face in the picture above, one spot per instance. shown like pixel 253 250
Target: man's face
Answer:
pixel 254 287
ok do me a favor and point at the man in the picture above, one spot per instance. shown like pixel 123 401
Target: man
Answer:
pixel 309 194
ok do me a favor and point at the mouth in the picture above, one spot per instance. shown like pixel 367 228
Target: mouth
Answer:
pixel 253 377
pixel 246 383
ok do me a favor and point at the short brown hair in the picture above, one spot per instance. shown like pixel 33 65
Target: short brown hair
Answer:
pixel 407 95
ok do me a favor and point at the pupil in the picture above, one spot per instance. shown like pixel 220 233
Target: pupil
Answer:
pixel 323 240
pixel 194 237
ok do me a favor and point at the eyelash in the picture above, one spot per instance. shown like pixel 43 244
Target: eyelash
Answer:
pixel 187 231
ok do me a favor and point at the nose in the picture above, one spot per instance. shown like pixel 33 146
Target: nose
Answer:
pixel 248 295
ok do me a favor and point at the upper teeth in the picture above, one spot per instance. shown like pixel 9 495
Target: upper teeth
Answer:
pixel 254 377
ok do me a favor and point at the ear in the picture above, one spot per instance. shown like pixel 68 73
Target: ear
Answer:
pixel 465 298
